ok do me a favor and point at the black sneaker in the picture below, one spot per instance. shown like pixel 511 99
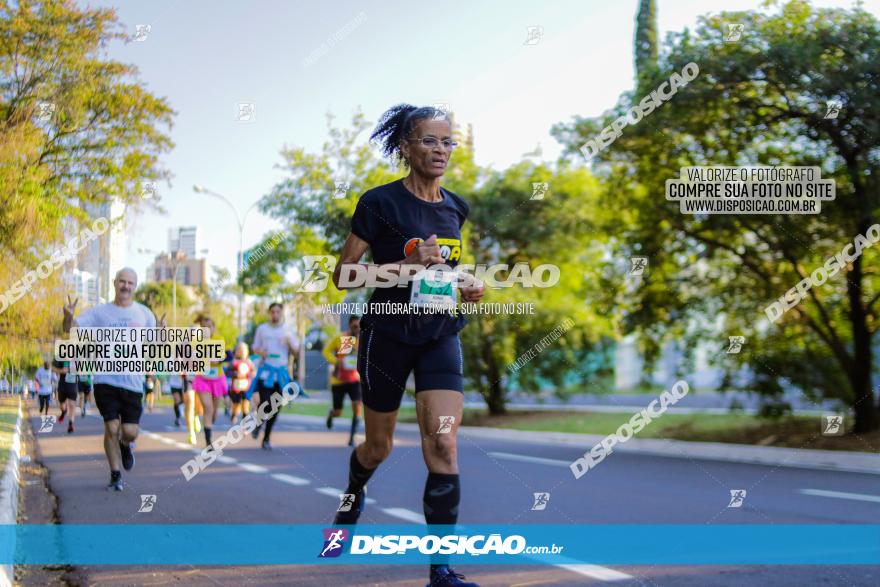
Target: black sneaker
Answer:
pixel 443 576
pixel 127 456
pixel 350 517
pixel 255 433
pixel 329 420
pixel 115 481
pixel 266 445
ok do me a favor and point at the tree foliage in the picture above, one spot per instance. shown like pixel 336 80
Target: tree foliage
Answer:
pixel 761 100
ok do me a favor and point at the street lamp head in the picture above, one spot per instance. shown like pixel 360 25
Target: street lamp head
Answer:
pixel 199 189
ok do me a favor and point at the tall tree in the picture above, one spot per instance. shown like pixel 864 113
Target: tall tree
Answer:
pixel 762 100
pixel 76 130
pixel 646 39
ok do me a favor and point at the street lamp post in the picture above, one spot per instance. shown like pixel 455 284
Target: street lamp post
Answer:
pixel 240 220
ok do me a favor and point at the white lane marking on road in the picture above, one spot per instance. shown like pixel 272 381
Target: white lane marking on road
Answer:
pixel 593 571
pixel 183 445
pixel 331 491
pixel 291 479
pixel 251 468
pixel 226 460
pixel 405 514
pixel 840 495
pixel 164 440
pixel 334 492
pixel 528 459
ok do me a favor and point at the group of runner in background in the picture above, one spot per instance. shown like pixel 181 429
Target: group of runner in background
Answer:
pixel 53 380
pixel 234 385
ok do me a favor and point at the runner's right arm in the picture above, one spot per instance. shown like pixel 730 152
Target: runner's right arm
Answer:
pixel 69 309
pixel 425 254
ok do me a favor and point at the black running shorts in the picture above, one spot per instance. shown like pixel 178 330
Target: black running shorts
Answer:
pixel 340 390
pixel 66 392
pixel 385 364
pixel 116 403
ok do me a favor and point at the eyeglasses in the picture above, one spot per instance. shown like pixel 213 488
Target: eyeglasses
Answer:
pixel 433 143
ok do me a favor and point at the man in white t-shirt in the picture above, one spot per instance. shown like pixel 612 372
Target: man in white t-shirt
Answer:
pixel 119 397
pixel 275 342
pixel 43 378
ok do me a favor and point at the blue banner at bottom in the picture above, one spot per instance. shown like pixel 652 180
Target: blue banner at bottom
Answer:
pixel 172 544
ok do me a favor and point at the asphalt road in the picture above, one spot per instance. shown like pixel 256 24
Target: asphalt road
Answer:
pixel 299 482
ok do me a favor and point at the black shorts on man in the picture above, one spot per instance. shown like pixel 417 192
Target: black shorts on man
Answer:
pixel 340 390
pixel 67 384
pixel 117 403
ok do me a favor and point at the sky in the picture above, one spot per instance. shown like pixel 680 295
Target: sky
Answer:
pixel 208 56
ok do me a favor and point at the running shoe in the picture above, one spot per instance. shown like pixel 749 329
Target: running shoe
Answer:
pixel 329 420
pixel 444 576
pixel 266 445
pixel 61 417
pixel 127 455
pixel 192 438
pixel 197 424
pixel 351 516
pixel 255 433
pixel 115 481
pixel 70 427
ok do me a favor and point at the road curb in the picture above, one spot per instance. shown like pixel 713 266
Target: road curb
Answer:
pixel 9 497
pixel 804 458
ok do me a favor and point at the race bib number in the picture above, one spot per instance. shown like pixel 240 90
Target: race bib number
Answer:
pixel 241 385
pixel 433 288
pixel 350 362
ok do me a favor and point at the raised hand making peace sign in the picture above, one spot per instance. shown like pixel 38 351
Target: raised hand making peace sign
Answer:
pixel 69 307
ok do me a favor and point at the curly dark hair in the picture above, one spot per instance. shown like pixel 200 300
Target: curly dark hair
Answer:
pixel 202 318
pixel 397 123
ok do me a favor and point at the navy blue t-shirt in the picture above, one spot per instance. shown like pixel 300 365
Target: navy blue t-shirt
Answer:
pixel 393 221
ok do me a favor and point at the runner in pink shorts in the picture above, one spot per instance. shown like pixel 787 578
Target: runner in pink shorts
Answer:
pixel 210 385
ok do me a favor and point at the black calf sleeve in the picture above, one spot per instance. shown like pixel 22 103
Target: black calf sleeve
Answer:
pixel 358 475
pixel 441 498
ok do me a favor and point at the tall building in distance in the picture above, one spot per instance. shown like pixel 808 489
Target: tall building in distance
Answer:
pixel 83 286
pixel 190 271
pixel 96 265
pixel 182 238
